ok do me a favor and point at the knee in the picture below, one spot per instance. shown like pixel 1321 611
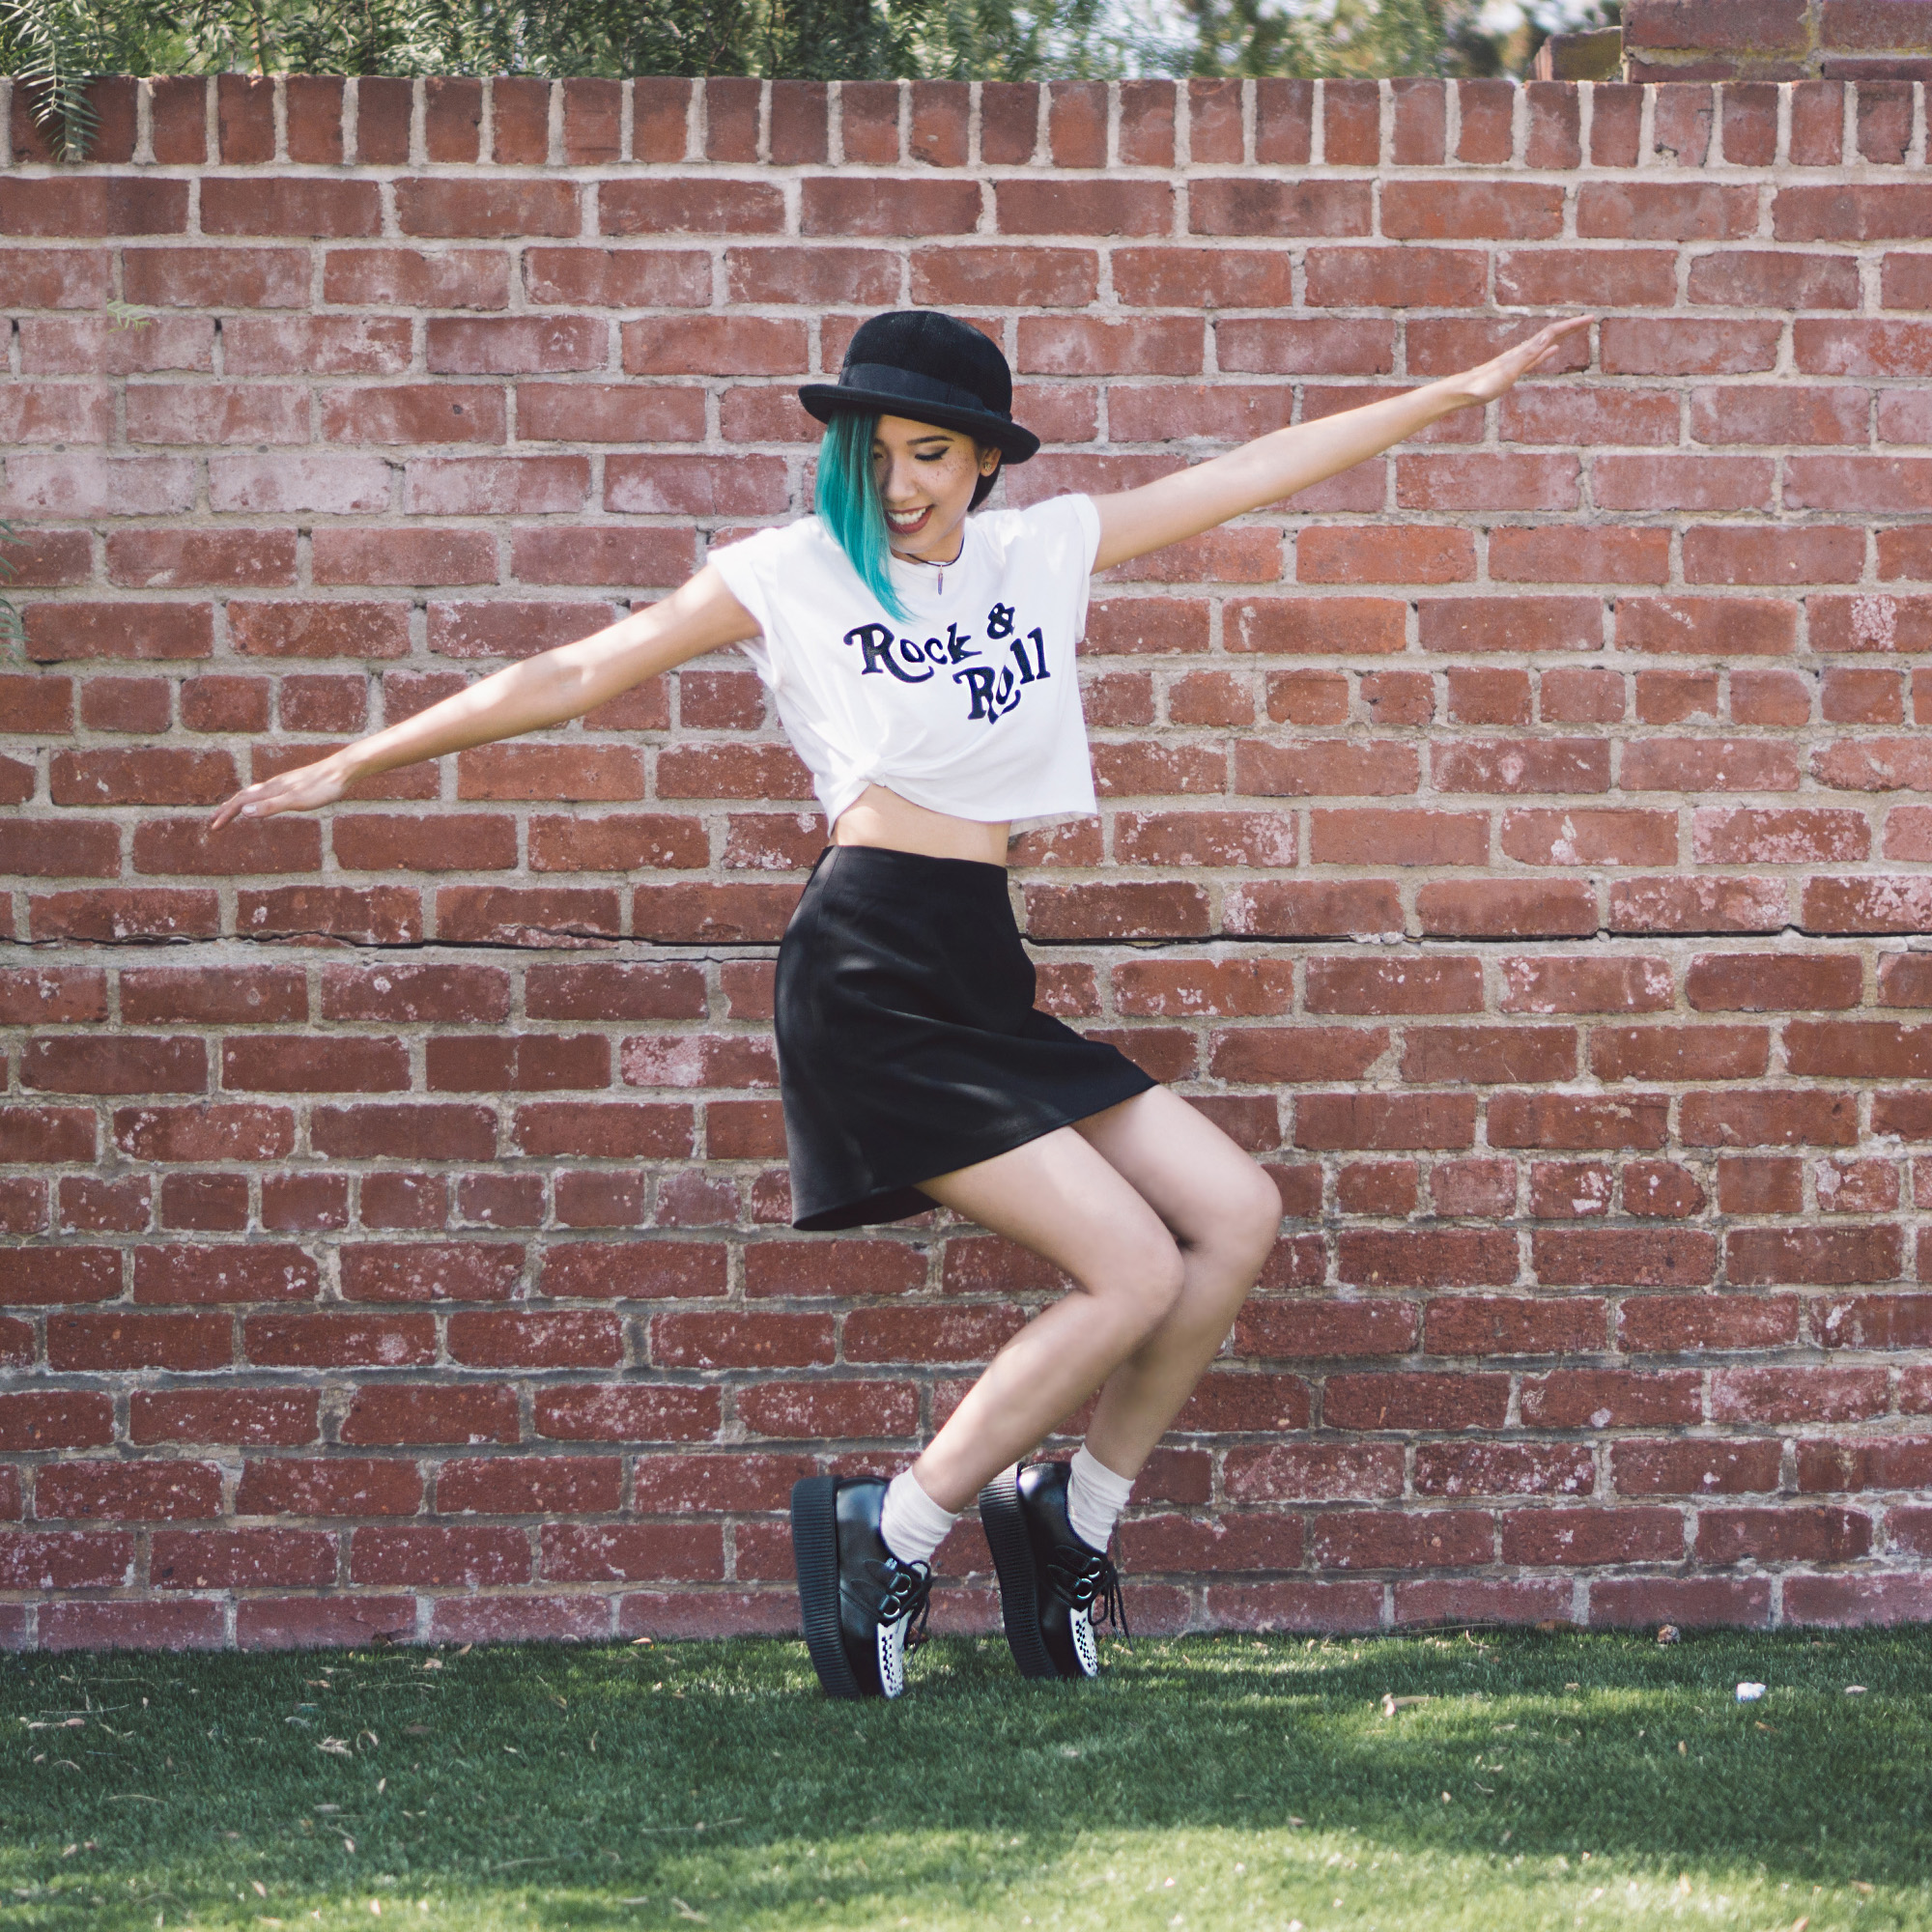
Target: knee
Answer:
pixel 1257 1215
pixel 1145 1284
pixel 1242 1221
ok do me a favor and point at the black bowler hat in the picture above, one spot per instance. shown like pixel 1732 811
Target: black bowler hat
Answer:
pixel 930 368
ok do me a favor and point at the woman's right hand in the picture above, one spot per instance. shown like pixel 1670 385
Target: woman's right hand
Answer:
pixel 300 790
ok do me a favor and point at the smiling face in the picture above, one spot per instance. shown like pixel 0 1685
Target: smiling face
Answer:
pixel 927 476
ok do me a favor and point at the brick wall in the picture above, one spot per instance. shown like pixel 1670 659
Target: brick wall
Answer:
pixel 1515 843
pixel 1865 40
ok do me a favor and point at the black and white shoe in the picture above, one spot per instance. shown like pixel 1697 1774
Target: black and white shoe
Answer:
pixel 1053 1587
pixel 863 1608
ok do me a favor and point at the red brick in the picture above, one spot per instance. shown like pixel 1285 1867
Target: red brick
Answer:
pixel 630 1413
pixel 131 1625
pixel 158 1491
pixel 611 1270
pixel 180 1276
pixel 1488 481
pixel 527 1485
pixel 399 1413
pixel 336 1341
pixel 467 1557
pixel 484 208
pixel 1610 1398
pixel 1679 1053
pixel 1695 1468
pixel 1444 211
pixel 1485 1055
pixel 1377 1187
pixel 90 1206
pixel 940 111
pixel 430 1272
pixel 252 1418
pixel 341 1486
pixel 765 1340
pixel 118 915
pixel 95 205
pixel 845 1267
pixel 65 1559
pixel 1379 1121
pixel 1259 205
pixel 1408 1401
pixel 1391 1540
pixel 1787 1535
pixel 1505 908
pixel 623 1552
pixel 1698 905
pixel 402 992
pixel 132 1340
pixel 831 206
pixel 1512 1325
pixel 1627 1257
pixel 240 1559
pixel 574 1338
pixel 1797 1395
pixel 841 1408
pixel 56 1419
pixel 290 204
pixel 561 1619
pixel 1662 1189
pixel 60 849
pixel 385 107
pixel 1283 1055
pixel 1588 1537
pixel 1830 1256
pixel 1788 1117
pixel 1563 1121
pixel 506 916
pixel 269 1064
pixel 57 632
pixel 1504 1469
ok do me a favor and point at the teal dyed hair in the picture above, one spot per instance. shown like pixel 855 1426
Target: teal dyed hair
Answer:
pixel 848 504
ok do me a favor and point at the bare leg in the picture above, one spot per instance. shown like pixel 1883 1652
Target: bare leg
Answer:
pixel 1163 1223
pixel 1060 1198
pixel 1224 1213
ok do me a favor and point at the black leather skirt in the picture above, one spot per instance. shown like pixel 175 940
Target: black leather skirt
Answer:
pixel 909 1044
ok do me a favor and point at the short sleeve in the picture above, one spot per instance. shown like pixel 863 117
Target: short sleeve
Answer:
pixel 1070 526
pixel 747 569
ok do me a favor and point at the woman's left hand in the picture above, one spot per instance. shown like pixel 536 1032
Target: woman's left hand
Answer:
pixel 1498 376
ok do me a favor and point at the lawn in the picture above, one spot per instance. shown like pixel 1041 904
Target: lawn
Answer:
pixel 1535 1780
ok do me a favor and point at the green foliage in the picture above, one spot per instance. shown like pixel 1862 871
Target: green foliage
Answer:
pixel 53 45
pixel 1341 39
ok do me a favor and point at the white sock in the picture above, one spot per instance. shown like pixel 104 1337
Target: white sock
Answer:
pixel 1095 1498
pixel 911 1523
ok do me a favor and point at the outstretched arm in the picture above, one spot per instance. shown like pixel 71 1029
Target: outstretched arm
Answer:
pixel 542 690
pixel 1134 522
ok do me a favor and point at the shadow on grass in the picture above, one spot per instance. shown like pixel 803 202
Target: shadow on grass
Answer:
pixel 553 1787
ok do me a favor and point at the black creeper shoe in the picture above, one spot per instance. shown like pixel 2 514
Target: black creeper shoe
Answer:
pixel 862 1609
pixel 1053 1587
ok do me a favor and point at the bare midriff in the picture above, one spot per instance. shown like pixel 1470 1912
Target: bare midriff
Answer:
pixel 881 817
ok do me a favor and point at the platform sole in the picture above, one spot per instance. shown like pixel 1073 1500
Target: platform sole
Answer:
pixel 1005 1523
pixel 815 1552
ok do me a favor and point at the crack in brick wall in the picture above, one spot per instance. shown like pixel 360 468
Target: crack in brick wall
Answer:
pixel 1517 842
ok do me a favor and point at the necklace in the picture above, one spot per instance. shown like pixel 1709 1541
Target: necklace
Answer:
pixel 939 570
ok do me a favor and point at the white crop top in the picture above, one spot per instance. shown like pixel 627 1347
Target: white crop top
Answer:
pixel 971 707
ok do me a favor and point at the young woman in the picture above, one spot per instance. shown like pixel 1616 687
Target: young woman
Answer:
pixel 922 665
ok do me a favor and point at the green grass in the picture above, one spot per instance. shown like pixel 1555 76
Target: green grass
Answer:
pixel 1547 1781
